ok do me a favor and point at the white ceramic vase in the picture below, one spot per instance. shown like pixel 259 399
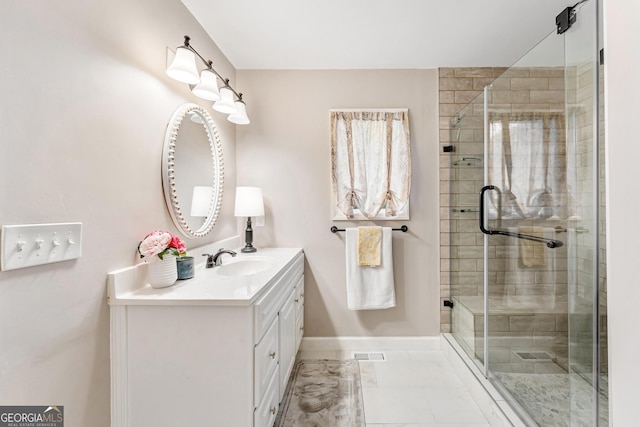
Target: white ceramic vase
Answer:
pixel 162 273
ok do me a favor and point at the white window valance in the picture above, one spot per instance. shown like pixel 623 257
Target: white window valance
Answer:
pixel 371 163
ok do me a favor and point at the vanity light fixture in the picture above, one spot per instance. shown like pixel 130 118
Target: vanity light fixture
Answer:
pixel 225 104
pixel 205 85
pixel 208 86
pixel 196 118
pixel 183 67
pixel 240 116
pixel 249 203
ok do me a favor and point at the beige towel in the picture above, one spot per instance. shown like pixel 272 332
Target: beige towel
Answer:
pixel 532 253
pixel 369 240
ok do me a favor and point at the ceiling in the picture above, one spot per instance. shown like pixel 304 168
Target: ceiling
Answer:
pixel 374 34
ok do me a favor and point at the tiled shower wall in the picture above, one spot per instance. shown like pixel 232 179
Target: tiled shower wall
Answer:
pixel 458 87
pixel 517 89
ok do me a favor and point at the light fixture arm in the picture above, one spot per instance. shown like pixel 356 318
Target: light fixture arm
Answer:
pixel 209 65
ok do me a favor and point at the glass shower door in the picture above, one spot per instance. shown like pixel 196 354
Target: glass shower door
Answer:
pixel 539 209
pixel 525 216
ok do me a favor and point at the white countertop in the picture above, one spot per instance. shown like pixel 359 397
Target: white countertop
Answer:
pixel 207 287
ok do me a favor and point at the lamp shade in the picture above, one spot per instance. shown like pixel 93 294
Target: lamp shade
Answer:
pixel 208 86
pixel 225 104
pixel 240 116
pixel 183 67
pixel 249 202
pixel 201 201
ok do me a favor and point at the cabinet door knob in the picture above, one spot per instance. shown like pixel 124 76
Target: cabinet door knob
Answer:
pixel 272 354
pixel 273 410
pixel 296 300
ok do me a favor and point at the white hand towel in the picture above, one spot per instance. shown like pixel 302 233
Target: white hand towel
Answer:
pixel 369 288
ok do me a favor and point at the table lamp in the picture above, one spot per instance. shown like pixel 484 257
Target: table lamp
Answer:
pixel 249 204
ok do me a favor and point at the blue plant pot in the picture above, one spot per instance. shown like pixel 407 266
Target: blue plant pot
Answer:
pixel 185 267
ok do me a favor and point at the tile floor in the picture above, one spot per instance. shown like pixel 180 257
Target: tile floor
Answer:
pixel 412 389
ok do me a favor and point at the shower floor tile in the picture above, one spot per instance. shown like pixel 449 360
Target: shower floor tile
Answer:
pixel 546 397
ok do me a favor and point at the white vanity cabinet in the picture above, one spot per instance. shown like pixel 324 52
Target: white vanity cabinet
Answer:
pixel 206 356
pixel 291 327
pixel 299 300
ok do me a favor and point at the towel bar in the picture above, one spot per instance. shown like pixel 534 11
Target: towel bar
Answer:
pixel 404 229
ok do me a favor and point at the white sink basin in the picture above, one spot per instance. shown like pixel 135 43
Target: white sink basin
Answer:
pixel 245 267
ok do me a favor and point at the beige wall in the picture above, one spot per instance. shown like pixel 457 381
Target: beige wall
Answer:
pixel 286 151
pixel 84 106
pixel 622 91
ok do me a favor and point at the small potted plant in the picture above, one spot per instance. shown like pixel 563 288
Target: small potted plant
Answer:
pixel 159 250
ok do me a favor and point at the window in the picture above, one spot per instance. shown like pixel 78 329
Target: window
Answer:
pixel 370 164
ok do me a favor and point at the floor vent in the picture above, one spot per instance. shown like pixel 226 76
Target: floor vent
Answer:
pixel 534 356
pixel 376 356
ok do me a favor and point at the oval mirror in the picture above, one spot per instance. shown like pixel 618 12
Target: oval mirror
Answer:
pixel 192 170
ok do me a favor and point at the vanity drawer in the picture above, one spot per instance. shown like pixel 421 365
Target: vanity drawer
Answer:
pixel 265 413
pixel 268 306
pixel 266 356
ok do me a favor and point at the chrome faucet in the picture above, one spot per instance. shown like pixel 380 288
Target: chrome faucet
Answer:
pixel 216 259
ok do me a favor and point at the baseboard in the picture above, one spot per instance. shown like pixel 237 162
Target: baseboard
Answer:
pixel 370 343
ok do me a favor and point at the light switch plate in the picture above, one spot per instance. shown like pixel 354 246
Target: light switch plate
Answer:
pixel 35 244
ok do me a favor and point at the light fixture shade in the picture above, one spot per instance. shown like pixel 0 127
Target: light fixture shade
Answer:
pixel 226 103
pixel 240 116
pixel 208 86
pixel 183 67
pixel 195 118
pixel 249 202
pixel 201 201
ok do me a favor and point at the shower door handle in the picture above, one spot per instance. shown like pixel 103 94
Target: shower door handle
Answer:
pixel 551 243
pixel 481 219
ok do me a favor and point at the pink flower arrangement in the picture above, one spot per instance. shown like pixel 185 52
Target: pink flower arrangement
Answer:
pixel 161 243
